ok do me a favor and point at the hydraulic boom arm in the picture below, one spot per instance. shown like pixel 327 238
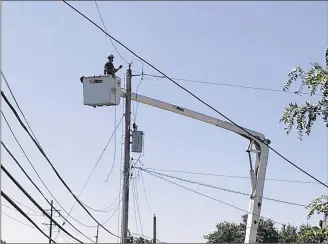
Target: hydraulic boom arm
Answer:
pixel 261 150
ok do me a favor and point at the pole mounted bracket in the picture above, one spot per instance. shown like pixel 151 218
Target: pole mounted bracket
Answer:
pixel 253 173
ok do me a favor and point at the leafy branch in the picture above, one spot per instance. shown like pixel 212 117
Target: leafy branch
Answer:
pixel 304 116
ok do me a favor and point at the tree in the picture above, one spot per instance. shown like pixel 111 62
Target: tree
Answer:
pixel 315 79
pixel 227 232
pixel 138 240
pixel 317 234
pixel 288 234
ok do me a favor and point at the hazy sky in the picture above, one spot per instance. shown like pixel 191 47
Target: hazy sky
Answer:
pixel 47 47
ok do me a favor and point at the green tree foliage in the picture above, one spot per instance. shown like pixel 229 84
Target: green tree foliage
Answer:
pixel 318 206
pixel 288 234
pixel 138 240
pixel 227 232
pixel 304 116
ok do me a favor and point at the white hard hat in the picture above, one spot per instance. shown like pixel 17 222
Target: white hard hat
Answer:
pixel 110 56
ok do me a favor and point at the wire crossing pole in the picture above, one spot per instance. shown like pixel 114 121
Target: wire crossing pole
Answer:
pixel 50 230
pixel 126 167
pixel 154 229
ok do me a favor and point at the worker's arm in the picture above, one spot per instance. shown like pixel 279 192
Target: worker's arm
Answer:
pixel 119 67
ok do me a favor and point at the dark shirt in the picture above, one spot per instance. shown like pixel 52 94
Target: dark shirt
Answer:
pixel 109 68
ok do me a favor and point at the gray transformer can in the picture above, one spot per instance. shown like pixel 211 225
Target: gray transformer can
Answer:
pixel 137 141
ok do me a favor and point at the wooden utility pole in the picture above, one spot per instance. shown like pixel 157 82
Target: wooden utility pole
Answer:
pixel 50 230
pixel 154 229
pixel 126 167
pixel 52 211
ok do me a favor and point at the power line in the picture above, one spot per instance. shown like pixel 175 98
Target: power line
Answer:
pixel 115 129
pixel 16 210
pixel 12 94
pixel 117 205
pixel 145 193
pixel 230 85
pixel 17 219
pixel 52 166
pixel 33 183
pixel 16 139
pixel 209 197
pixel 134 208
pixel 4 195
pixel 136 204
pixel 135 111
pixel 102 20
pixel 26 154
pixel 230 176
pixel 35 203
pixel 265 142
pixel 223 189
pixel 94 167
pixel 24 205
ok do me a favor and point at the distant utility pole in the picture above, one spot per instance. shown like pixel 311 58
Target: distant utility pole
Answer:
pixel 51 210
pixel 154 229
pixel 126 167
pixel 97 233
pixel 50 230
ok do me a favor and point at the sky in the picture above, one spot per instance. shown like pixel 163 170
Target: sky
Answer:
pixel 46 47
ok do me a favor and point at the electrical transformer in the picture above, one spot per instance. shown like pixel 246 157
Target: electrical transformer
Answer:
pixel 137 141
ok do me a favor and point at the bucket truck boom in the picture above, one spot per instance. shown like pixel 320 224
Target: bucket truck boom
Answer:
pixel 256 145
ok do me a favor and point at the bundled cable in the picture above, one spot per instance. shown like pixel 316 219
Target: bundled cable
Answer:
pixel 35 203
pixel 52 166
pixel 24 214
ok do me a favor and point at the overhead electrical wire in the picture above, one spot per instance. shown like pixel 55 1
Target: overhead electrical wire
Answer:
pixel 111 41
pixel 35 211
pixel 230 176
pixel 94 167
pixel 35 203
pixel 32 164
pixel 102 21
pixel 135 111
pixel 21 222
pixel 114 155
pixel 15 100
pixel 135 207
pixel 230 85
pixel 137 203
pixel 28 157
pixel 40 145
pixel 209 197
pixel 117 205
pixel 43 183
pixel 145 193
pixel 222 189
pixel 44 197
pixel 5 196
pixel 196 97
pixel 52 166
pixel 17 210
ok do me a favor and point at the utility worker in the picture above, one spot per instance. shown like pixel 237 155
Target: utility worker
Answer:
pixel 109 66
